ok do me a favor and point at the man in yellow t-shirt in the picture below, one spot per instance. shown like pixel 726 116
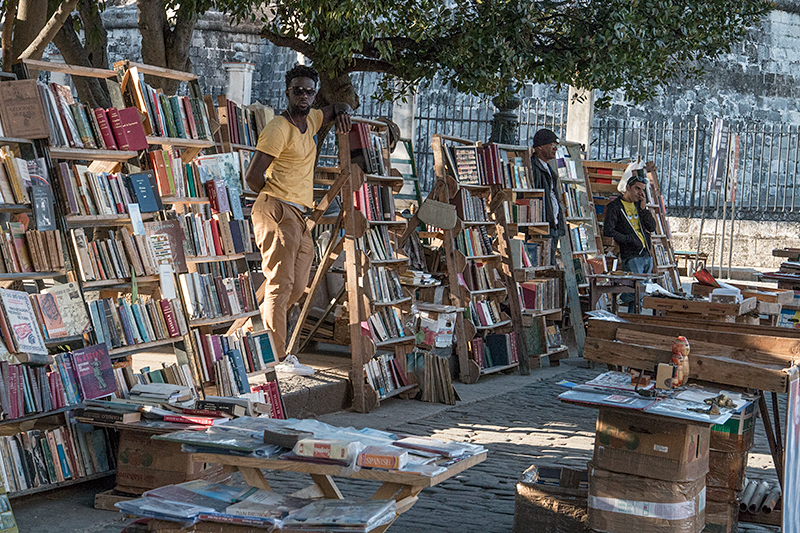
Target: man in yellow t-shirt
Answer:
pixel 282 170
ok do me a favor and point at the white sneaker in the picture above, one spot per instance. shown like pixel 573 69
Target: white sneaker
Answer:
pixel 291 365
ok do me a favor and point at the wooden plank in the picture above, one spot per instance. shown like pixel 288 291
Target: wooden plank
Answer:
pixel 74 70
pixel 711 325
pixel 327 486
pixel 719 370
pixel 159 71
pixel 699 307
pixel 785 348
pixel 312 492
pixel 253 477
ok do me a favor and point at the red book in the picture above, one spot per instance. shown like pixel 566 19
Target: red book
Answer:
pixel 216 346
pixel 187 106
pixel 607 181
pixel 13 390
pixel 205 413
pixel 116 127
pixel 162 179
pixel 208 354
pixel 275 400
pixel 215 235
pixel 211 192
pixel 195 420
pixel 604 171
pixel 105 128
pixel 169 318
pixel 402 380
pixel 94 372
pixel 131 124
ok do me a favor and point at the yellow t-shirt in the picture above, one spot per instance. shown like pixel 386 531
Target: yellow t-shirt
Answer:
pixel 290 177
pixel 632 215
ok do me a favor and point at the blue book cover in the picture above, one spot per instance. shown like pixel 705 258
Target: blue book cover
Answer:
pixel 126 326
pixel 236 236
pixel 97 441
pixel 62 457
pixel 137 315
pixel 239 372
pixel 96 323
pixel 137 335
pixel 141 187
pixel 265 347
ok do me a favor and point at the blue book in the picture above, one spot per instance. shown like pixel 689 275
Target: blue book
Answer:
pixel 62 457
pixel 236 236
pixel 239 372
pixel 137 315
pixel 126 325
pixel 97 441
pixel 264 342
pixel 141 186
pixel 98 326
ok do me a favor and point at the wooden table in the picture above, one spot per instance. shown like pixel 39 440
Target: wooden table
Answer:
pixel 700 308
pixel 600 284
pixel 401 487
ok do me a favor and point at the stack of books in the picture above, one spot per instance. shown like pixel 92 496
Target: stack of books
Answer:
pixel 495 350
pixel 471 208
pixel 41 457
pixel 384 325
pixel 244 122
pixel 377 244
pixel 384 374
pixel 540 294
pixel 256 350
pixel 173 374
pixel 367 149
pixel 208 296
pixel 74 125
pixel 119 323
pixel 485 313
pixel 534 253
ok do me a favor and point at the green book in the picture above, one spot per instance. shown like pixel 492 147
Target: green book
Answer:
pixel 82 123
pixel 169 117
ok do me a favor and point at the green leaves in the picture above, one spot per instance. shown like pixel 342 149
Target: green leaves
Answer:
pixel 477 45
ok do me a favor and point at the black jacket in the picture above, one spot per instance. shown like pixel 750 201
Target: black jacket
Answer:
pixel 617 227
pixel 544 179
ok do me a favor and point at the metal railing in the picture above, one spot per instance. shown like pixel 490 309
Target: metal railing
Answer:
pixel 769 161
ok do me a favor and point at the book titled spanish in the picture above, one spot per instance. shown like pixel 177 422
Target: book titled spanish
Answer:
pixel 94 371
pixel 23 328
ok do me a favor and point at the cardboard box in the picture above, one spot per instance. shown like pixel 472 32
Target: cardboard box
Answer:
pixel 726 470
pixel 146 464
pixel 721 517
pixel 738 433
pixel 651 446
pixel 621 502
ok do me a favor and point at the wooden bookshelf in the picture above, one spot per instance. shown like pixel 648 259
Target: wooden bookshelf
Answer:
pixel 51 343
pixel 35 416
pixel 214 258
pixel 118 282
pixel 62 484
pixel 179 142
pixel 84 154
pixel 15 208
pixel 103 220
pixel 73 70
pixel 498 368
pixel 221 319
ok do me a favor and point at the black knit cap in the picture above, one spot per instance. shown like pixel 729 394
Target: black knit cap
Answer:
pixel 543 137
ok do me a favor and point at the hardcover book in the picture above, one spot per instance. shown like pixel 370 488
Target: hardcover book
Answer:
pixel 140 185
pixel 21 110
pixel 94 372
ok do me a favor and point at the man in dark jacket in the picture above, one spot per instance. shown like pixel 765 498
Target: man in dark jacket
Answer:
pixel 545 144
pixel 629 223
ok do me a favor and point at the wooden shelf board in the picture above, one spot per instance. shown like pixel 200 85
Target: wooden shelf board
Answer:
pixel 580 252
pixel 581 182
pixel 263 371
pixel 15 140
pixel 95 220
pixel 395 340
pixel 392 302
pixel 116 352
pixel 476 223
pixel 535 269
pixel 374 178
pixel 493 326
pixel 253 256
pixel 243 147
pixel 536 191
pixel 117 282
pixel 658 235
pixel 486 291
pixel 75 70
pixel 174 141
pixel 13 276
pixel 162 72
pixel 419 285
pixel 15 208
pixel 530 224
pixel 379 262
pixel 387 222
pixel 213 258
pixel 220 319
pixel 666 267
pixel 187 200
pixel 66 483
pixel 395 392
pixel 34 416
pixel 558 349
pixel 498 368
pixel 483 257
pixel 84 154
pixel 473 186
pixel 540 312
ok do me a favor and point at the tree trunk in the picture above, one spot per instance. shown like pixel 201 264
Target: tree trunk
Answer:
pixel 32 15
pixel 36 48
pixel 166 47
pixel 94 33
pixel 8 32
pixel 91 91
pixel 332 90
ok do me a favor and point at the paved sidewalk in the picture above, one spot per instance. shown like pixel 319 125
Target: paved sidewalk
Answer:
pixel 518 418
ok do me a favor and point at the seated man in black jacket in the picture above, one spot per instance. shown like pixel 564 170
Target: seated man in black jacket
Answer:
pixel 629 223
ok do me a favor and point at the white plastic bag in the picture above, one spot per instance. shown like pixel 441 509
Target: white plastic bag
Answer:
pixel 623 181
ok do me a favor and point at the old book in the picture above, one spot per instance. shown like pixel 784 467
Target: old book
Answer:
pixel 23 328
pixel 131 124
pixel 72 307
pixel 94 372
pixel 140 186
pixel 21 111
pixel 166 242
pixel 52 321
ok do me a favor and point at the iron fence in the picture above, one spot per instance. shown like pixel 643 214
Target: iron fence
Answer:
pixel 769 161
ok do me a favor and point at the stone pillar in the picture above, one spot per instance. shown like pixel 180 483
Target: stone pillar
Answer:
pixel 505 124
pixel 240 82
pixel 579 116
pixel 403 116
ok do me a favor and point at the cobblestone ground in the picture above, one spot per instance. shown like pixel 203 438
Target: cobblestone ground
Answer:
pixel 520 428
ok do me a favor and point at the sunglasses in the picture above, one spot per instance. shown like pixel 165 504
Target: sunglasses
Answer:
pixel 636 179
pixel 300 91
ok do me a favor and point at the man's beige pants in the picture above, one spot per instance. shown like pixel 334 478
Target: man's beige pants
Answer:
pixel 287 251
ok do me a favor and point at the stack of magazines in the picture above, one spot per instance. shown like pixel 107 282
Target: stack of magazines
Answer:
pixel 201 500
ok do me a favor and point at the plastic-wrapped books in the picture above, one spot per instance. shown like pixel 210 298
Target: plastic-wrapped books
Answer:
pixel 342 515
pixel 163 509
pixel 266 504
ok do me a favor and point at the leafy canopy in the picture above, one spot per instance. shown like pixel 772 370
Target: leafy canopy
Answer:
pixel 480 45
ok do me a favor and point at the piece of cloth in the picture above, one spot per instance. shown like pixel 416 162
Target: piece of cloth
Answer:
pixel 617 227
pixel 642 264
pixel 290 177
pixel 287 251
pixel 632 214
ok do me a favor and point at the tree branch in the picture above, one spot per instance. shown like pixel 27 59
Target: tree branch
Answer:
pixel 363 64
pixel 294 43
pixel 37 46
pixel 91 91
pixel 8 32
